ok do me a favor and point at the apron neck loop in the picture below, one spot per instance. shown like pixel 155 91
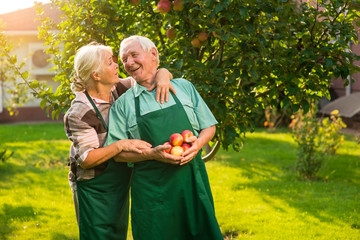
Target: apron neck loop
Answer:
pixel 97 110
pixel 137 104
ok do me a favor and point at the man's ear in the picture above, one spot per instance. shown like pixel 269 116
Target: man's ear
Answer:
pixel 154 53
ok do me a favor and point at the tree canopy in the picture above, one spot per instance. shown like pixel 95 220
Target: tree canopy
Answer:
pixel 241 55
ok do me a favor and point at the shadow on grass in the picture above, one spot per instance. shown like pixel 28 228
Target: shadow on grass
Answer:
pixel 9 171
pixel 12 213
pixel 60 236
pixel 270 167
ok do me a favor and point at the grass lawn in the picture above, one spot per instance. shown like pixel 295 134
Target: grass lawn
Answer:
pixel 257 194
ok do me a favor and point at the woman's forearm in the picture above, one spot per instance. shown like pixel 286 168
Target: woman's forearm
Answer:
pixel 100 155
pixel 133 156
pixel 157 153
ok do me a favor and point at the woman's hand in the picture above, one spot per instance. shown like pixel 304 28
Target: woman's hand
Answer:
pixel 191 152
pixel 133 145
pixel 158 154
pixel 163 85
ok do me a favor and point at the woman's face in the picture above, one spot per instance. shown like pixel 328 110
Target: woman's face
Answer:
pixel 109 71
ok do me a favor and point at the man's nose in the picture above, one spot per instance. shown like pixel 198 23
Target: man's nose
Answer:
pixel 130 61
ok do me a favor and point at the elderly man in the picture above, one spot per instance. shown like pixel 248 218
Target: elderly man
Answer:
pixel 168 201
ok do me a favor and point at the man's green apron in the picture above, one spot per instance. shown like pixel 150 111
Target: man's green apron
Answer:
pixel 170 202
pixel 104 201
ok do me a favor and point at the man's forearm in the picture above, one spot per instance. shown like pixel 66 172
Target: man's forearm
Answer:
pixel 206 135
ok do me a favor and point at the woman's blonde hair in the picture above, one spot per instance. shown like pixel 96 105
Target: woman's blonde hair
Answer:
pixel 88 59
pixel 145 43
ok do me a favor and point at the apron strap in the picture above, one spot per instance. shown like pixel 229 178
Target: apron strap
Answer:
pixel 97 110
pixel 137 104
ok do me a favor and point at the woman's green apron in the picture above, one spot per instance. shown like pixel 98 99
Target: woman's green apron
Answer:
pixel 170 202
pixel 104 201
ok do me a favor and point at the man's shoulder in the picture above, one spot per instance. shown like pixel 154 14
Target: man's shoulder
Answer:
pixel 125 97
pixel 181 83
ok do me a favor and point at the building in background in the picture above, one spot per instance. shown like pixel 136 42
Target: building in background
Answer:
pixel 21 30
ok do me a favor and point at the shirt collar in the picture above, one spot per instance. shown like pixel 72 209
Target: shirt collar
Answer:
pixel 81 97
pixel 138 89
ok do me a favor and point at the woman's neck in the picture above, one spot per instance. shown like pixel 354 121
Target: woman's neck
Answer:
pixel 100 92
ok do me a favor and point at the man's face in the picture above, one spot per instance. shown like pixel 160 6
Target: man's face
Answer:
pixel 139 64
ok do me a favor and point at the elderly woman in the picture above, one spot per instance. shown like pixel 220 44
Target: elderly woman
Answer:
pixel 100 185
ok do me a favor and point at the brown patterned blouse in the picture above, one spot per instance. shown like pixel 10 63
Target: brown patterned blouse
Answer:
pixel 86 131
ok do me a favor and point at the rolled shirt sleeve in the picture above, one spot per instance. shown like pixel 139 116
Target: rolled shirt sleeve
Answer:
pixel 203 114
pixel 83 136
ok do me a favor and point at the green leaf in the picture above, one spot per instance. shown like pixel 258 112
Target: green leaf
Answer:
pixel 305 106
pixel 284 102
pixel 25 75
pixel 13 60
pixel 43 103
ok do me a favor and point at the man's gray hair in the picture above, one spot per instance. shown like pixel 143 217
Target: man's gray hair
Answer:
pixel 145 43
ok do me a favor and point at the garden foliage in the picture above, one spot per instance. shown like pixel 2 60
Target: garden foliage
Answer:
pixel 257 54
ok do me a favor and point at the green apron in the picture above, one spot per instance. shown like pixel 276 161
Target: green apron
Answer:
pixel 104 201
pixel 170 202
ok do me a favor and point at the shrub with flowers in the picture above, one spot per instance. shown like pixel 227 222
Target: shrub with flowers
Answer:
pixel 317 139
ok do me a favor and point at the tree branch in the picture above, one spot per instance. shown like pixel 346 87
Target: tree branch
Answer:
pixel 222 43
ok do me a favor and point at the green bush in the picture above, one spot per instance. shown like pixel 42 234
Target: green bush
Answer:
pixel 317 139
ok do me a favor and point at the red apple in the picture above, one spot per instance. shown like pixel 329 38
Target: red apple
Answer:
pixel 134 2
pixel 176 139
pixel 164 6
pixel 178 5
pixel 186 134
pixel 185 146
pixel 177 151
pixel 167 144
pixel 203 36
pixel 195 42
pixel 171 33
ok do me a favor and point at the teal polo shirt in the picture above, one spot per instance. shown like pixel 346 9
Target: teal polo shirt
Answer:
pixel 122 116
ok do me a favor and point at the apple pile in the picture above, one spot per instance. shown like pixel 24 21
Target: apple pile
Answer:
pixel 178 143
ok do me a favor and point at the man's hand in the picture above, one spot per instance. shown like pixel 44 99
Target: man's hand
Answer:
pixel 160 155
pixel 190 153
pixel 163 85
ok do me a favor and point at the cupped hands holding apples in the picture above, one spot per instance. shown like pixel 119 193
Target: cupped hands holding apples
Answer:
pixel 182 145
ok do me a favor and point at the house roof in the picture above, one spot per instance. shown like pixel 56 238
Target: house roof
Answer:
pixel 348 106
pixel 24 19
